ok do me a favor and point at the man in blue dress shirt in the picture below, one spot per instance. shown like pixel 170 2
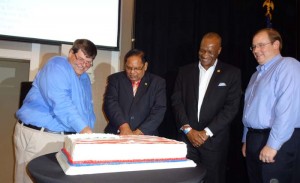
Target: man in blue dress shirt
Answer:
pixel 59 103
pixel 271 113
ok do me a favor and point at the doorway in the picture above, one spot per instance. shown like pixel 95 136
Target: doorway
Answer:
pixel 12 73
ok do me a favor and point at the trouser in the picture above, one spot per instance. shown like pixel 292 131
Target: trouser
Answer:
pixel 29 144
pixel 214 160
pixel 282 170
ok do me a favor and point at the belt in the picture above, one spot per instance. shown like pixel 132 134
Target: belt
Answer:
pixel 45 129
pixel 253 130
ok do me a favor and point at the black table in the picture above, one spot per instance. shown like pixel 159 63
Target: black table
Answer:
pixel 45 169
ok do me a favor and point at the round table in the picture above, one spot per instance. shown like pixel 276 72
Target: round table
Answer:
pixel 45 169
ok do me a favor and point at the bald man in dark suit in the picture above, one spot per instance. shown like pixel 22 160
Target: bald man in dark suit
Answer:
pixel 205 101
pixel 135 100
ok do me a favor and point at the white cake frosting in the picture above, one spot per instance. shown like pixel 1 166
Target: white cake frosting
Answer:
pixel 102 153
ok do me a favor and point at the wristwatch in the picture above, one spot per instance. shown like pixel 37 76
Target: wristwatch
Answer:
pixel 186 130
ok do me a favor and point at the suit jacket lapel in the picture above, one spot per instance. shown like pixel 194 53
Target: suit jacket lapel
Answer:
pixel 128 86
pixel 145 82
pixel 195 82
pixel 214 79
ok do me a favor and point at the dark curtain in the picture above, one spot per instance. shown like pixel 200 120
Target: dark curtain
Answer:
pixel 169 31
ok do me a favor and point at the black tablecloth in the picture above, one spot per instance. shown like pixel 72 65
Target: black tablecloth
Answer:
pixel 45 169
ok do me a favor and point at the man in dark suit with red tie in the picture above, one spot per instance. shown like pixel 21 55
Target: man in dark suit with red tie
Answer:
pixel 134 100
pixel 205 100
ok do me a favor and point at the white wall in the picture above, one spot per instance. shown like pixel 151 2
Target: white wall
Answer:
pixel 106 63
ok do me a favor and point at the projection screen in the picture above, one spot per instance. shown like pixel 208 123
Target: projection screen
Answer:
pixel 61 21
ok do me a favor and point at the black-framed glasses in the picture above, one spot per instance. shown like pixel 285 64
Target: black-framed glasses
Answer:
pixel 134 68
pixel 86 62
pixel 259 45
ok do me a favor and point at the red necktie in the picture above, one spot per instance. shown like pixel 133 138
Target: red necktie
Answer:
pixel 135 86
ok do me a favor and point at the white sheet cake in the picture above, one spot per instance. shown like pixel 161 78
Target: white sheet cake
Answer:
pixel 103 153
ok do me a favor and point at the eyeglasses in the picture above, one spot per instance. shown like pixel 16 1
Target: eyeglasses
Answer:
pixel 134 68
pixel 259 45
pixel 86 62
